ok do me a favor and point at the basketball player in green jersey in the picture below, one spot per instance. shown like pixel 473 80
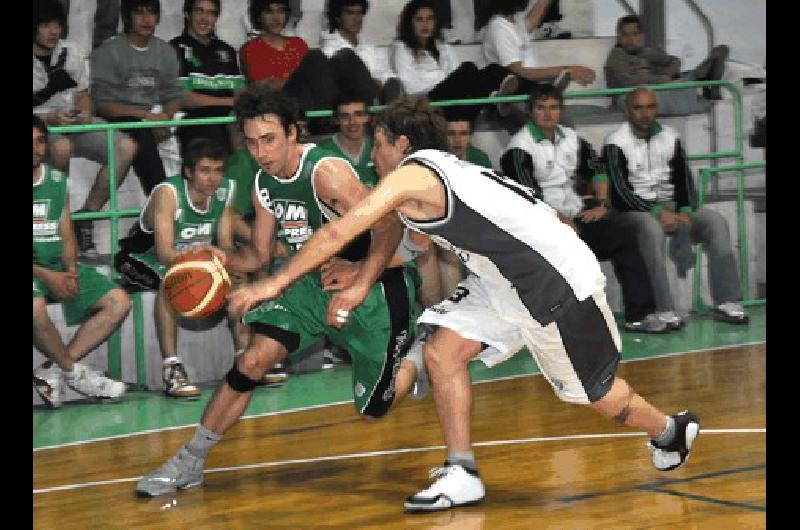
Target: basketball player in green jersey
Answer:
pixel 185 211
pixel 373 316
pixel 87 297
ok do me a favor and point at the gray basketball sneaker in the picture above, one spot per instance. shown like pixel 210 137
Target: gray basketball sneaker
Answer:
pixel 182 471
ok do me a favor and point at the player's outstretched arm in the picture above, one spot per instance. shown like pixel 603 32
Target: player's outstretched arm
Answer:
pixel 337 183
pixel 410 182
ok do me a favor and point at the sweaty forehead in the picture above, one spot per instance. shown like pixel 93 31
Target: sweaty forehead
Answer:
pixel 261 125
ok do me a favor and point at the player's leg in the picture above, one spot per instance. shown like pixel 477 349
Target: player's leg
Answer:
pixel 579 356
pixel 185 469
pixel 46 337
pixel 469 324
pixel 277 330
pixel 457 483
pixel 111 310
pixel 377 335
pixel 99 308
pixel 240 333
pixel 48 379
pixel 93 147
pixel 176 380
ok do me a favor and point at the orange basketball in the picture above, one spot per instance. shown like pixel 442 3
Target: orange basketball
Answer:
pixel 196 284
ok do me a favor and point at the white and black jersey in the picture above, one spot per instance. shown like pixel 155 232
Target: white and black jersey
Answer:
pixel 505 235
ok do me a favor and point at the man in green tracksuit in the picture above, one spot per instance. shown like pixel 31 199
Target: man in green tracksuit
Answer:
pixel 355 303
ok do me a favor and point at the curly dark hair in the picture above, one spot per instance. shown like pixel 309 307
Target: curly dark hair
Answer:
pixel 258 6
pixel 415 118
pixel 45 11
pixel 335 7
pixel 405 28
pixel 259 100
pixel 508 7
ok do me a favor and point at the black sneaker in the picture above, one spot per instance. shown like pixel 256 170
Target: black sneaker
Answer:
pixel 84 233
pixel 673 455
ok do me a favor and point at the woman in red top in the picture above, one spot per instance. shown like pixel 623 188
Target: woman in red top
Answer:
pixel 271 57
pixel 286 63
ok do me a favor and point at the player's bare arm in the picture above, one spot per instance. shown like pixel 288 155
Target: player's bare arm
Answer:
pixel 337 185
pixel 259 252
pixel 412 189
pixel 159 215
pixel 63 285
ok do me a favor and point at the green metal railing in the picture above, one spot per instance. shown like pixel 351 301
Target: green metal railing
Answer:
pixel 112 214
pixel 744 269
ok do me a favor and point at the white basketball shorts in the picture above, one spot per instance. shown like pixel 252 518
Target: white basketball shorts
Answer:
pixel 578 353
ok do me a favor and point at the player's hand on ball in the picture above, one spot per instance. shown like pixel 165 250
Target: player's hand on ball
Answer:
pixel 338 274
pixel 343 303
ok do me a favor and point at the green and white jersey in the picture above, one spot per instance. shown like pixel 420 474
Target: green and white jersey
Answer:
pixel 49 198
pixel 362 163
pixel 193 226
pixel 294 201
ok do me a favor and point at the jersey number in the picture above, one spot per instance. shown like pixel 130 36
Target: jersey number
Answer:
pixel 460 294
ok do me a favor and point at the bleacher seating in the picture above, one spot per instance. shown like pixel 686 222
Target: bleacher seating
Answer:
pixel 595 120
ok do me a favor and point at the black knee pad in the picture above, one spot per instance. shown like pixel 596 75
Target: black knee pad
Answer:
pixel 238 381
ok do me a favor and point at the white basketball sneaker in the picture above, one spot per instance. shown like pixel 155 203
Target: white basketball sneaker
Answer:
pixel 454 486
pixel 86 381
pixel 49 384
pixel 672 455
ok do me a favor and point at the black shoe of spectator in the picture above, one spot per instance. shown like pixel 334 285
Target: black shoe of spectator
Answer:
pixel 84 233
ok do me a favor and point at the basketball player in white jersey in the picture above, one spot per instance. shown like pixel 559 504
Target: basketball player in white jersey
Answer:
pixel 532 283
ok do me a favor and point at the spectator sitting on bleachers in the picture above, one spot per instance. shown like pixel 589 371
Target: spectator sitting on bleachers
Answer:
pixel 286 63
pixel 427 65
pixel 459 138
pixel 345 20
pixel 630 63
pixel 353 141
pixel 87 297
pixel 212 70
pixel 61 97
pixel 135 78
pixel 507 38
pixel 559 165
pixel 188 210
pixel 652 192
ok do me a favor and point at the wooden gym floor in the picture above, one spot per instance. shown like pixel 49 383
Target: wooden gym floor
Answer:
pixel 545 464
